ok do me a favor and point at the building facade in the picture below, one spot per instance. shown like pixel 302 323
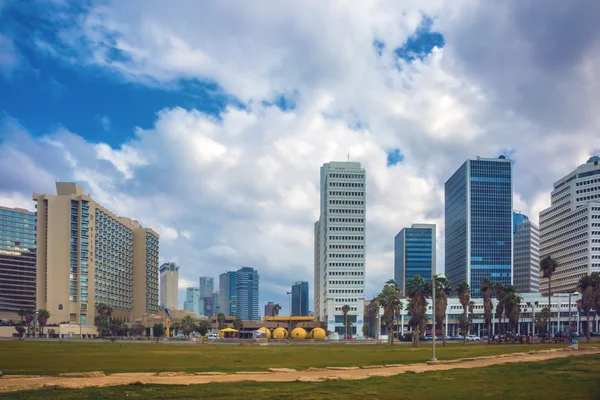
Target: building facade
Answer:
pixel 206 286
pixel 247 284
pixel 414 253
pixel 192 297
pixel 526 254
pixel 340 246
pixel 270 309
pixel 300 298
pixel 570 227
pixel 86 255
pixel 478 212
pixel 17 261
pixel 228 293
pixel 169 285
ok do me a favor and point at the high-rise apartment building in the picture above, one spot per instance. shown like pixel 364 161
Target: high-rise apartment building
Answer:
pixel 86 255
pixel 227 293
pixel 340 246
pixel 206 286
pixel 414 253
pixel 215 304
pixel 17 261
pixel 479 232
pixel 247 289
pixel 300 298
pixel 169 285
pixel 192 297
pixel 526 254
pixel 270 309
pixel 570 227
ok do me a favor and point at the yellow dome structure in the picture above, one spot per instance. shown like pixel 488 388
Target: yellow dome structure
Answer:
pixel 280 333
pixel 266 331
pixel 318 334
pixel 298 334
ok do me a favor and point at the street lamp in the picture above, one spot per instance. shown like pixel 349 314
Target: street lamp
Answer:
pixel 570 327
pixel 434 280
pixel 290 324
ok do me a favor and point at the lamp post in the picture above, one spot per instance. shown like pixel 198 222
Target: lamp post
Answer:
pixel 434 280
pixel 571 328
pixel 290 323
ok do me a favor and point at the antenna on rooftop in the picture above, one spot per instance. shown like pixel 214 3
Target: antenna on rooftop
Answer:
pixel 348 155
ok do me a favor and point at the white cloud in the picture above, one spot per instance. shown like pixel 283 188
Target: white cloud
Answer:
pixel 243 188
pixel 9 58
pixel 105 122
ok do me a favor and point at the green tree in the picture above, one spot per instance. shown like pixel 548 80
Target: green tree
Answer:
pixel 158 330
pixel 541 319
pixel 204 326
pixel 22 314
pixel 487 289
pixel 102 319
pixel 443 290
pixel 499 291
pixel 221 320
pixel 589 285
pixel 463 291
pixel 389 300
pixel 20 330
pixel 187 325
pixel 43 316
pixel 512 305
pixel 345 310
pixel 276 309
pixel 417 305
pixel 238 324
pixel 547 267
pixel 29 317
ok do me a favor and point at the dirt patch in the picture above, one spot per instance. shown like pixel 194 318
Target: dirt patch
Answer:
pixel 15 383
pixel 283 370
pixel 93 374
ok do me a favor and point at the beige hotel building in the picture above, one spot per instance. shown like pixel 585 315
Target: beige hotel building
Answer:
pixel 86 255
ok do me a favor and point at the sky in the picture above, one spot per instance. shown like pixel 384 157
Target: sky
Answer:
pixel 208 121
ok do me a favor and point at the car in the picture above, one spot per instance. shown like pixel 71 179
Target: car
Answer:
pixel 457 337
pixel 473 338
pixel 212 336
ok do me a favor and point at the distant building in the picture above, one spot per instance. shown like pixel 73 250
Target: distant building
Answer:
pixel 192 297
pixel 169 285
pixel 478 212
pixel 228 293
pixel 339 273
pixel 270 309
pixel 569 228
pixel 17 261
pixel 247 283
pixel 86 255
pixel 215 304
pixel 526 254
pixel 414 254
pixel 206 286
pixel 300 298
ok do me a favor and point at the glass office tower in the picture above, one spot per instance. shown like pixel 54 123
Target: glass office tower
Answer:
pixel 300 298
pixel 414 254
pixel 479 220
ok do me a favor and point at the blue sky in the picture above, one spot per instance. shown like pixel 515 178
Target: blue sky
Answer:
pixel 238 107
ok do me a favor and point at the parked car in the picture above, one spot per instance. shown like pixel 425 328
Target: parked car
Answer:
pixel 212 336
pixel 473 338
pixel 457 337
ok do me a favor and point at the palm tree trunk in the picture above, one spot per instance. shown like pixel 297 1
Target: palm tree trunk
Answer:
pixel 416 336
pixel 587 317
pixel 465 324
pixel 390 334
pixel 549 305
pixel 443 334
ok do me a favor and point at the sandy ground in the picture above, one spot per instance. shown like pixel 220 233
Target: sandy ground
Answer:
pixel 11 383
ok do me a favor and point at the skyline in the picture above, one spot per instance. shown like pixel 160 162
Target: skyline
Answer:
pixel 216 146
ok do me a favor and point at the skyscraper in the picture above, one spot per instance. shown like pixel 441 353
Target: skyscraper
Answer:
pixel 192 297
pixel 206 286
pixel 570 227
pixel 17 261
pixel 169 285
pixel 526 254
pixel 479 223
pixel 414 253
pixel 270 309
pixel 247 294
pixel 300 298
pixel 340 246
pixel 86 255
pixel 228 293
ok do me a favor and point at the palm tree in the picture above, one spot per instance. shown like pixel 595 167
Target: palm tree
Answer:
pixel 22 314
pixel 20 330
pixel 487 289
pixel 499 294
pixel 512 305
pixel 417 305
pixel 29 316
pixel 547 267
pixel 204 326
pixel 187 325
pixel 463 291
pixel 389 300
pixel 43 316
pixel 589 286
pixel 220 320
pixel 276 309
pixel 237 324
pixel 345 310
pixel 443 290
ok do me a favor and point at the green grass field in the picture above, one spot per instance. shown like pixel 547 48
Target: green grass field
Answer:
pixel 47 358
pixel 573 378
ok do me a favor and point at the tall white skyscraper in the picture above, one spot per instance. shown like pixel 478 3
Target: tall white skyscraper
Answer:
pixel 340 246
pixel 169 285
pixel 570 227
